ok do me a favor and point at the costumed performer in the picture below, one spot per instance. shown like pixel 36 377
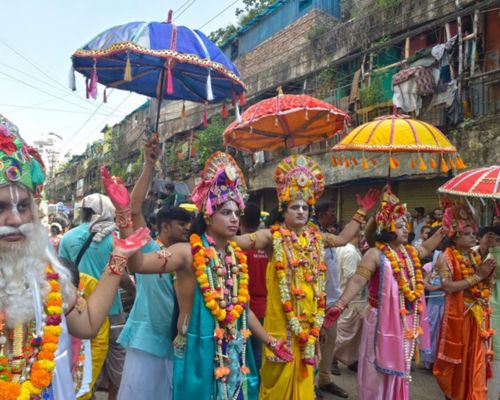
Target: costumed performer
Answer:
pixel 464 356
pixel 212 358
pixel 38 302
pixel 396 321
pixel 296 276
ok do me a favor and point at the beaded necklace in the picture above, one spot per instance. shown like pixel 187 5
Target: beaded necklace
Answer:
pixel 406 262
pixel 25 374
pixel 299 263
pixel 224 284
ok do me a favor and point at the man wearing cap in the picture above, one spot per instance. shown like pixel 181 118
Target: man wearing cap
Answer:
pixel 39 305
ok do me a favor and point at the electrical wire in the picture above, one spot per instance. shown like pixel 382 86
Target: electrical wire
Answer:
pixel 185 9
pixel 219 14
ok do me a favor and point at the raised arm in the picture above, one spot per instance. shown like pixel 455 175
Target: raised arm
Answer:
pixel 260 240
pixel 367 266
pixel 85 322
pixel 171 259
pixel 427 247
pixel 366 203
pixel 141 187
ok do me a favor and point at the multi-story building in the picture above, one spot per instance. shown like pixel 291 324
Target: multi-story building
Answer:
pixel 347 52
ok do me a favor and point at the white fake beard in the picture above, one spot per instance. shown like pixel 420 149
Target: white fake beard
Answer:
pixel 21 264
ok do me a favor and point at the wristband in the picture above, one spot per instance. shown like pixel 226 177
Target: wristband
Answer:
pixel 165 255
pixel 123 218
pixel 341 305
pixel 271 342
pixel 117 264
pixel 473 280
pixel 359 216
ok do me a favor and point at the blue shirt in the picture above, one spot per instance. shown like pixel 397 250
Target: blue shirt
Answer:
pixel 149 324
pixel 94 259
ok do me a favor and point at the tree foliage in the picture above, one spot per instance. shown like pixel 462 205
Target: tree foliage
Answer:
pixel 209 139
pixel 251 8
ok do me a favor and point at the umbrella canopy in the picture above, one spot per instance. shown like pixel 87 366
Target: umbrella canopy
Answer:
pixel 285 121
pixel 397 134
pixel 480 182
pixel 161 60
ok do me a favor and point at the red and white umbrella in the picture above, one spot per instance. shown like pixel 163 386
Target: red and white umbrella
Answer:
pixel 481 182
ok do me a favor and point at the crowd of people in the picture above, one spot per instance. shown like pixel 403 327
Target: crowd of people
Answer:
pixel 228 306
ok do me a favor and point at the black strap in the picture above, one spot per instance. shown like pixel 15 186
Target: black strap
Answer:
pixel 84 249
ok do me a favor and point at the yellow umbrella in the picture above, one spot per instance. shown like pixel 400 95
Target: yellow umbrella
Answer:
pixel 397 134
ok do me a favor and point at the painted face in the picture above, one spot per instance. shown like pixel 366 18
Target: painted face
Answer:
pixel 15 210
pixel 178 230
pixel 226 220
pixel 296 214
pixel 466 239
pixel 401 230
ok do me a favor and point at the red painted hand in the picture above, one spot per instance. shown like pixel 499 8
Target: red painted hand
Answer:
pixel 281 351
pixel 370 200
pixel 127 247
pixel 331 316
pixel 115 189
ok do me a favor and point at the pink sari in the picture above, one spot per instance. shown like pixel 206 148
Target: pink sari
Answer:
pixel 382 373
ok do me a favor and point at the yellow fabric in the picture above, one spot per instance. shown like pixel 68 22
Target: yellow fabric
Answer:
pixel 99 345
pixel 396 134
pixel 294 380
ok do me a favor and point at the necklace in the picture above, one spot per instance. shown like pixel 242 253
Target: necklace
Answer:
pixel 414 288
pixel 29 371
pixel 410 293
pixel 468 265
pixel 300 265
pixel 223 282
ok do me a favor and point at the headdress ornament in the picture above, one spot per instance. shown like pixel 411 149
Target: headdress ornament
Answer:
pixel 457 216
pixel 391 209
pixel 299 177
pixel 221 181
pixel 19 163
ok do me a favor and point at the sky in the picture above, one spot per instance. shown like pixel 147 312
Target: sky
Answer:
pixel 36 44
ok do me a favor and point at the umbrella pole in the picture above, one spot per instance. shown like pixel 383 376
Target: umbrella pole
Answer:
pixel 389 171
pixel 160 98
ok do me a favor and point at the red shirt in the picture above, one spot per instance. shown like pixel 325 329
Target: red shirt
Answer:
pixel 257 266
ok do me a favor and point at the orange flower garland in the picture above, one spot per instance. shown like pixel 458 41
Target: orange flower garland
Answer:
pixel 418 282
pixel 214 297
pixel 482 289
pixel 43 349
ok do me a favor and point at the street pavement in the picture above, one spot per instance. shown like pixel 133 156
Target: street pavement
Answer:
pixel 422 387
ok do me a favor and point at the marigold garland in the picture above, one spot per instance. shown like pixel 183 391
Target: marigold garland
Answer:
pixel 41 348
pixel 224 285
pixel 480 290
pixel 297 262
pixel 214 297
pixel 415 271
pixel 408 257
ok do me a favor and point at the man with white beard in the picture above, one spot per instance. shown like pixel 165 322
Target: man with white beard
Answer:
pixel 38 304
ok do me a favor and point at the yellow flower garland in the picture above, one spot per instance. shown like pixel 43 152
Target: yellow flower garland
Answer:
pixel 41 369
